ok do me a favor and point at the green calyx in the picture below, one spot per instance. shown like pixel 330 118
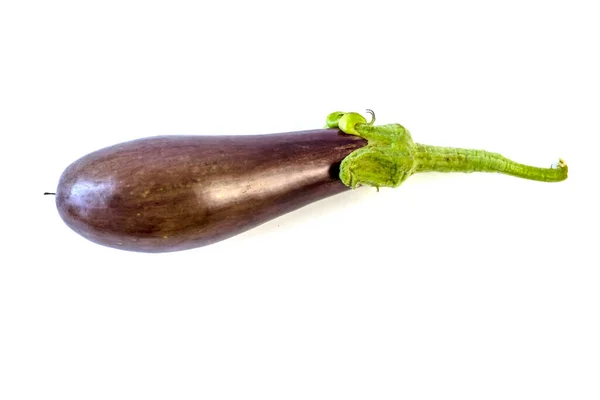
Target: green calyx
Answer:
pixel 391 156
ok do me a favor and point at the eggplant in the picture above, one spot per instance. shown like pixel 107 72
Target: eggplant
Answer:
pixel 170 193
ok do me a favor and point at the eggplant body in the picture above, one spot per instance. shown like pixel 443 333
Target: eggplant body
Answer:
pixel 170 193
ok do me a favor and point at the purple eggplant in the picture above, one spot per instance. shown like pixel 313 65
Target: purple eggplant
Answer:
pixel 172 193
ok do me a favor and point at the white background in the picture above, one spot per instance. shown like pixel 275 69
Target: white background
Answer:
pixel 451 286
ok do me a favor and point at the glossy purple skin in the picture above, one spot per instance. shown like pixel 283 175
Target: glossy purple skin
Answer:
pixel 171 193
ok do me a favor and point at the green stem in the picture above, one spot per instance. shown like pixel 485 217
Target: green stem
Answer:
pixel 448 159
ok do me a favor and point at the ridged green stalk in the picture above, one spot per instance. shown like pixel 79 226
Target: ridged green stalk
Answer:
pixel 449 159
